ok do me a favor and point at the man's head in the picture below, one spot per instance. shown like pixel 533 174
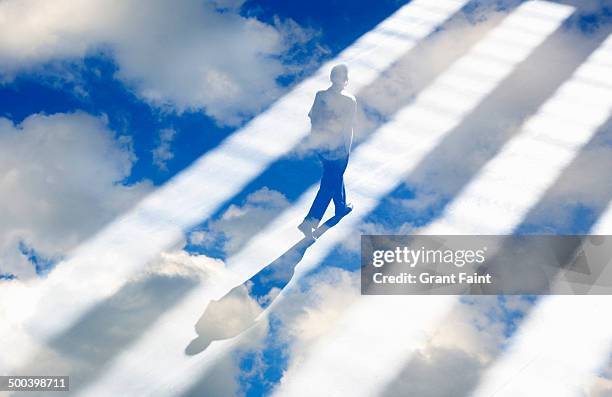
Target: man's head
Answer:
pixel 339 75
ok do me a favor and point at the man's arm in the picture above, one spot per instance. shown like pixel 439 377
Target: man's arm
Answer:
pixel 348 136
pixel 354 117
pixel 313 109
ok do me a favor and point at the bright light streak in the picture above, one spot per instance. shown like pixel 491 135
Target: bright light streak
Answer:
pixel 100 266
pixel 370 177
pixel 566 338
pixel 506 187
pixel 336 363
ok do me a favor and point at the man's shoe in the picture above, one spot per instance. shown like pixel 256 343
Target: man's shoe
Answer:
pixel 344 211
pixel 307 227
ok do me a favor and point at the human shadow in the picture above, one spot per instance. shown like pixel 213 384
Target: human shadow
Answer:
pixel 238 310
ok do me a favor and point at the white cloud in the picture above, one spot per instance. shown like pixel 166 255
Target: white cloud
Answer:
pixel 240 222
pixel 600 384
pixel 310 312
pixel 200 238
pixel 59 183
pixel 444 172
pixel 577 187
pixel 469 339
pixel 179 263
pixel 222 319
pixel 185 55
pixel 465 344
pixel 84 350
pixel 163 152
pixel 436 372
pixel 601 387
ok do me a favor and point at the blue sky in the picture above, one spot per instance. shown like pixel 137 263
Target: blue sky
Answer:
pixel 147 124
pixel 57 86
pixel 90 85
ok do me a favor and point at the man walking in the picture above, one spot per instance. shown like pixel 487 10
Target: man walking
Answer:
pixel 332 118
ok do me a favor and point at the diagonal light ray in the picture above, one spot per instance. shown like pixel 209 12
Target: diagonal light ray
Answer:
pixel 370 177
pixel 528 164
pixel 562 345
pixel 533 222
pixel 600 355
pixel 560 348
pixel 97 268
pixel 547 143
pixel 567 338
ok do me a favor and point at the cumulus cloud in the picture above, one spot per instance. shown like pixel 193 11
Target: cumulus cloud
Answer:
pixel 437 372
pixel 163 152
pixel 445 171
pixel 108 329
pixel 578 187
pixel 462 347
pixel 464 344
pixel 180 263
pixel 240 222
pixel 601 387
pixel 303 316
pixel 310 312
pixel 183 55
pixel 600 384
pixel 60 180
pixel 222 319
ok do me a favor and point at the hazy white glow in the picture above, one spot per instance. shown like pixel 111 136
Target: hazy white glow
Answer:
pixel 98 268
pixel 566 338
pixel 566 347
pixel 333 367
pixel 548 141
pixel 322 366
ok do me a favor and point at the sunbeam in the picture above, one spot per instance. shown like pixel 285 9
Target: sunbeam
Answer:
pixel 100 266
pixel 373 173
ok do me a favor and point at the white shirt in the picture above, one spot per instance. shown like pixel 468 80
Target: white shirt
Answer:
pixel 332 118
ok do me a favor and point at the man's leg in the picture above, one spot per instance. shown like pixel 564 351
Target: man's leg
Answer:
pixel 338 190
pixel 321 201
pixel 324 195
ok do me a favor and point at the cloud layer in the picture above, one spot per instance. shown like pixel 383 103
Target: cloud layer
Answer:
pixel 60 182
pixel 180 55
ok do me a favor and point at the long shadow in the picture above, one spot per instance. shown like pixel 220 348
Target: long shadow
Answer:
pixel 499 133
pixel 106 330
pixel 372 117
pixel 448 160
pixel 486 117
pixel 229 316
pixel 380 116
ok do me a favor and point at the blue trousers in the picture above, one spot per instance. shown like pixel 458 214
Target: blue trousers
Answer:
pixel 331 188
